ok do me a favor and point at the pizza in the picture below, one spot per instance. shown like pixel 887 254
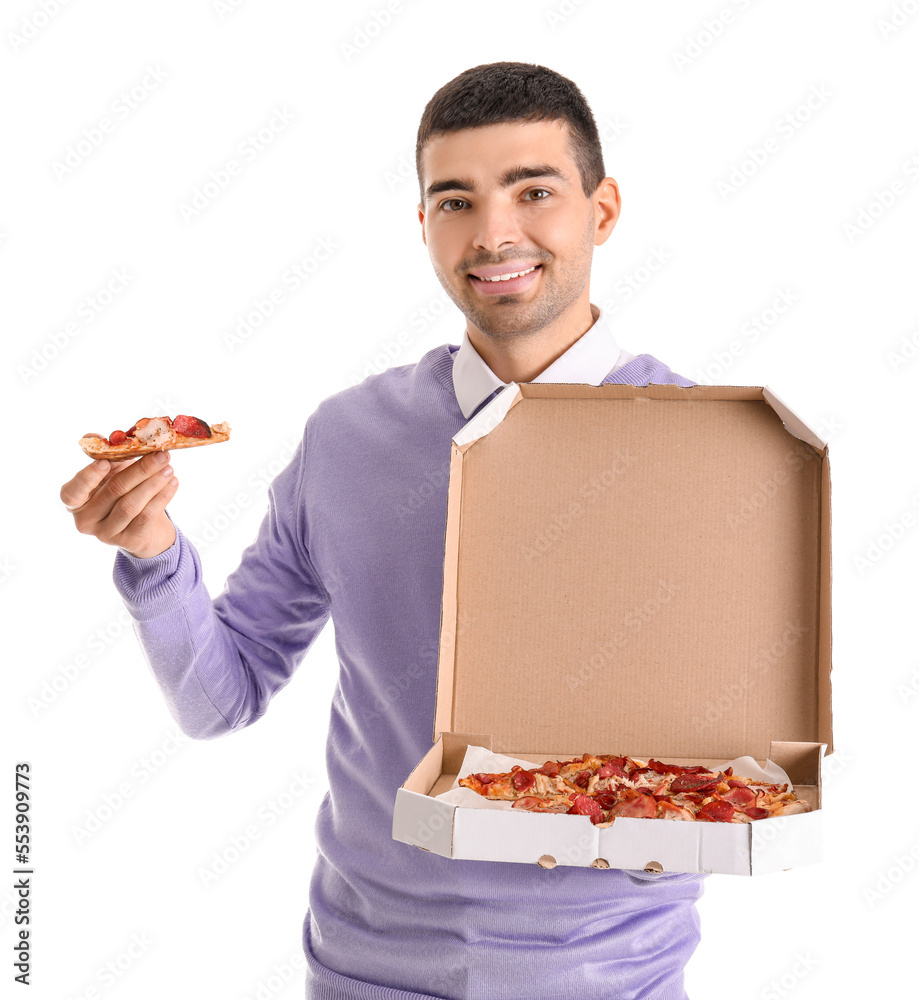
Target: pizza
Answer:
pixel 605 787
pixel 154 434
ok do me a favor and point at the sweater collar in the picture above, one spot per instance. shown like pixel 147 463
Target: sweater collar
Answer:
pixel 589 360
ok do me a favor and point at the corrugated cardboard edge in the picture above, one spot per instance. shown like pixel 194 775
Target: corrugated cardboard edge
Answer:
pixel 796 426
pixel 421 820
pixel 825 631
pixel 793 423
pixel 481 424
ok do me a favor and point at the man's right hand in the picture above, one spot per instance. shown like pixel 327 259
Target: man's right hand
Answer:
pixel 124 503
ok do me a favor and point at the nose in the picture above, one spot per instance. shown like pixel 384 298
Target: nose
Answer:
pixel 497 225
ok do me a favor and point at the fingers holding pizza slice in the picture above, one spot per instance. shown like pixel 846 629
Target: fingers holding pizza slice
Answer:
pixel 154 434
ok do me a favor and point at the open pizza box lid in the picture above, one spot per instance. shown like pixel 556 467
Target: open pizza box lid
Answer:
pixel 641 571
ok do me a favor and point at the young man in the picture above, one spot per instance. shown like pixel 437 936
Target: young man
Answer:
pixel 513 200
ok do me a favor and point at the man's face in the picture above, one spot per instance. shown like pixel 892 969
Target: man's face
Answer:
pixel 507 198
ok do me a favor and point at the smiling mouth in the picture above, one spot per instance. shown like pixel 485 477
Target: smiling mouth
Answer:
pixel 506 277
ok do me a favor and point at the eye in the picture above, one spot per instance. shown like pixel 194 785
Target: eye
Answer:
pixel 543 191
pixel 452 201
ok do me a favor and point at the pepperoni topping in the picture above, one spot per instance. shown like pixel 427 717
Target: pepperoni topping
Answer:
pixel 635 806
pixel 582 779
pixel 522 780
pixel 610 770
pixel 191 427
pixel 528 802
pixel 117 437
pixel 740 797
pixel 718 811
pixel 484 779
pixel 660 768
pixel 584 805
pixel 550 769
pixel 694 783
pixel 754 812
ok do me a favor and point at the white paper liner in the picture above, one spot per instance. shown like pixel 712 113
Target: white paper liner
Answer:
pixel 480 760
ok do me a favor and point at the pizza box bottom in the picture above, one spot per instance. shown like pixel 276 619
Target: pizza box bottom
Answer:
pixel 649 845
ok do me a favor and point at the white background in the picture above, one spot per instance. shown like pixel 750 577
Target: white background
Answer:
pixel 127 815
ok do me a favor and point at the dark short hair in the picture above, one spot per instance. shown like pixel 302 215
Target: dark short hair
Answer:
pixel 501 92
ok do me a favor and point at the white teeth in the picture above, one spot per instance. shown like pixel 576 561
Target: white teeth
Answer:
pixel 507 277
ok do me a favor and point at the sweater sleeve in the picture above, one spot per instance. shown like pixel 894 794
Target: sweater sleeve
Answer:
pixel 219 662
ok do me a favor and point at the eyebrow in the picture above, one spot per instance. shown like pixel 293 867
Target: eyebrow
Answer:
pixel 509 177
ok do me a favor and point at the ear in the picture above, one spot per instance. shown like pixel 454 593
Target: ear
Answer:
pixel 421 220
pixel 607 206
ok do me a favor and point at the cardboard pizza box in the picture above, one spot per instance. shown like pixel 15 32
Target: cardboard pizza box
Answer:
pixel 641 571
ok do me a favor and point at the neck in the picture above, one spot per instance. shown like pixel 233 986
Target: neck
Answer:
pixel 523 358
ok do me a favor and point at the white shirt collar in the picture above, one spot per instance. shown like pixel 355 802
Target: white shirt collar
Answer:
pixel 589 360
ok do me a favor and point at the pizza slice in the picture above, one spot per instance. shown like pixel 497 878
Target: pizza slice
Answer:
pixel 154 434
pixel 534 789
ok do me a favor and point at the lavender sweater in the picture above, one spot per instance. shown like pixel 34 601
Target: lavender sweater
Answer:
pixel 355 531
